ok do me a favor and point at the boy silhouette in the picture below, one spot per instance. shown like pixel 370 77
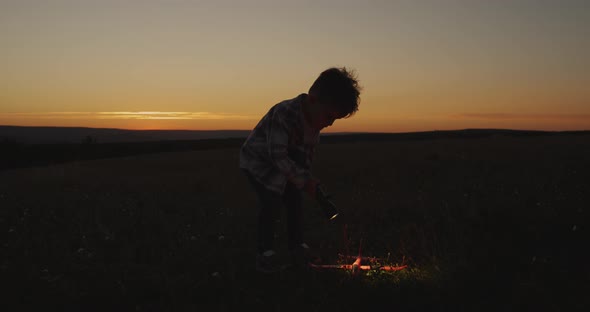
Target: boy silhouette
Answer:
pixel 277 156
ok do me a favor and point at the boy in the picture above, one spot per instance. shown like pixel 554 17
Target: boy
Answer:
pixel 277 156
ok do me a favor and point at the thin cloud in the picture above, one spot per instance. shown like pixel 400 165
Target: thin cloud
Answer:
pixel 141 115
pixel 502 116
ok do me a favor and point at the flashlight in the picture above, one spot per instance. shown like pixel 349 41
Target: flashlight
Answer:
pixel 326 204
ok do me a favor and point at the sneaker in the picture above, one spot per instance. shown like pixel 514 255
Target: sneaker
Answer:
pixel 301 256
pixel 267 262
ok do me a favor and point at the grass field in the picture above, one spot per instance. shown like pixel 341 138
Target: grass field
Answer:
pixel 496 224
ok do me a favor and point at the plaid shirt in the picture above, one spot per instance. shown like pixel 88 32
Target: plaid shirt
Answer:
pixel 280 148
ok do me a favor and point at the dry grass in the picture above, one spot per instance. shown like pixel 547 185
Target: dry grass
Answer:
pixel 485 224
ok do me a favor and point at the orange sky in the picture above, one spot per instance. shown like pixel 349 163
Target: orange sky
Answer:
pixel 423 65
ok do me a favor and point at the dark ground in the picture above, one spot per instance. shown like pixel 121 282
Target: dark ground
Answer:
pixel 494 222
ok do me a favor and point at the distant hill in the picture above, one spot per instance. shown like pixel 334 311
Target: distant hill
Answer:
pixel 51 135
pixel 38 146
pixel 76 135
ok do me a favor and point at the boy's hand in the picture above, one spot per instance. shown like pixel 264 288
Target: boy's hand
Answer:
pixel 311 186
pixel 321 195
pixel 324 199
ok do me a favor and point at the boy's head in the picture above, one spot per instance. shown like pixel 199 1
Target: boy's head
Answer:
pixel 333 95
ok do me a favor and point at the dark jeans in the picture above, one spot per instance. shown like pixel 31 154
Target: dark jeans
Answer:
pixel 269 205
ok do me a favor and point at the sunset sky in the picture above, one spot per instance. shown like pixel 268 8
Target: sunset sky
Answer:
pixel 208 65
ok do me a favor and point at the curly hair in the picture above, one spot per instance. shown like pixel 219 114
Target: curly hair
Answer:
pixel 338 88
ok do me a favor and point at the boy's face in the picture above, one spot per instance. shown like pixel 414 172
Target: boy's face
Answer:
pixel 322 114
pixel 327 117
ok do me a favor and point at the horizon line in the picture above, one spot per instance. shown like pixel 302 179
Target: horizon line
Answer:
pixel 339 132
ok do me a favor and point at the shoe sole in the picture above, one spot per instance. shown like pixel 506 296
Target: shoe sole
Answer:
pixel 267 271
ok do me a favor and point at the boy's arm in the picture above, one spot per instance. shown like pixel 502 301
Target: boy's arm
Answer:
pixel 278 140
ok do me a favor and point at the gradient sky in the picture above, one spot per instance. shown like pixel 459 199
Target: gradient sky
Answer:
pixel 172 64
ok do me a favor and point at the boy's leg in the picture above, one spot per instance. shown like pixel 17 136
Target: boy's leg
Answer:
pixel 269 203
pixel 300 253
pixel 293 201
